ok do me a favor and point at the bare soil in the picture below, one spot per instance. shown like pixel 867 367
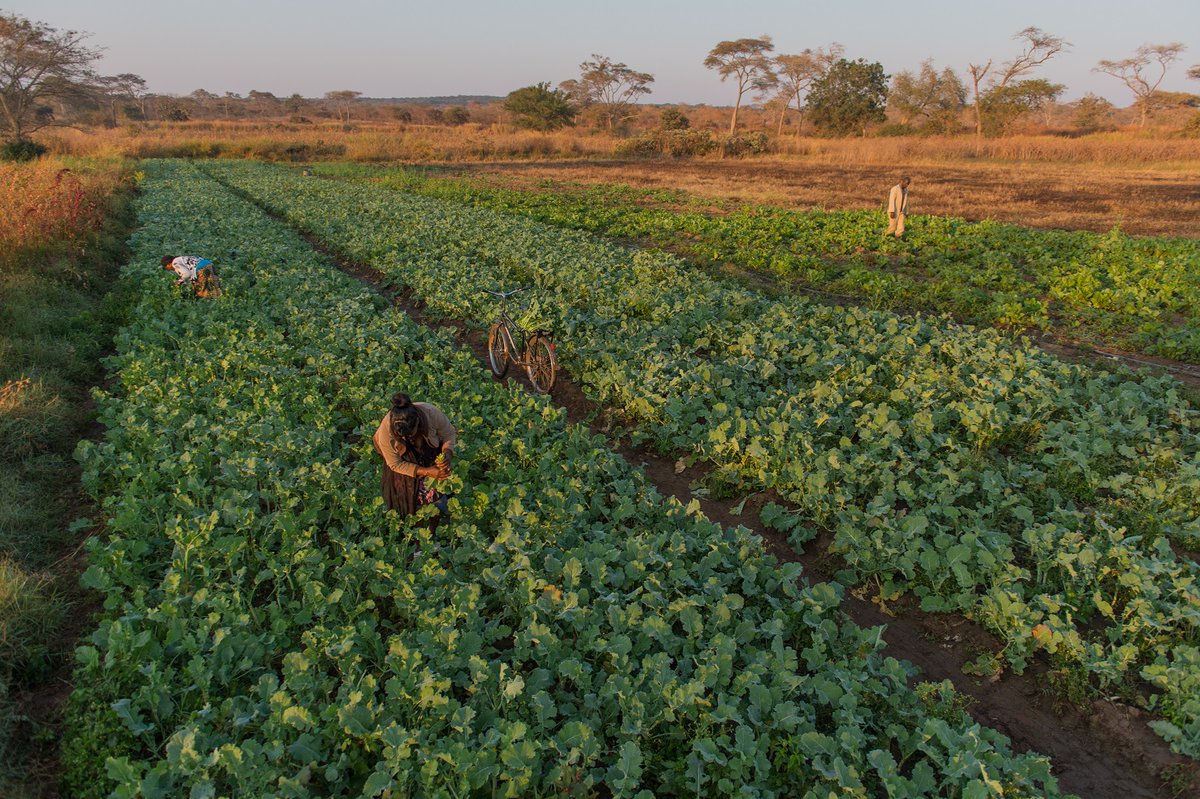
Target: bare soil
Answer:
pixel 1068 197
pixel 1103 750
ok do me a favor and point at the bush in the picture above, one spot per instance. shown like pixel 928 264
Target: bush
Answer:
pixel 678 143
pixel 21 150
pixel 1192 129
pixel 742 144
pixel 673 119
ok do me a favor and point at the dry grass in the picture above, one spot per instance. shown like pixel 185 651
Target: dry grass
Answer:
pixel 327 141
pixel 1141 201
pixel 1098 149
pixel 47 206
pixel 394 141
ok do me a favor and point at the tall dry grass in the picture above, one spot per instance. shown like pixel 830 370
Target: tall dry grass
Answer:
pixel 1102 149
pixel 325 141
pixel 395 141
pixel 50 205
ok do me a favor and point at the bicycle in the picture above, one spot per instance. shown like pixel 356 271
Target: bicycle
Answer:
pixel 509 343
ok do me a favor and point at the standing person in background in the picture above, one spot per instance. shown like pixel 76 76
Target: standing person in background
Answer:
pixel 897 207
pixel 192 269
pixel 416 442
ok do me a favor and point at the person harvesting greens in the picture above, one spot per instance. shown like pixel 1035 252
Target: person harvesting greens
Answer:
pixel 416 441
pixel 192 269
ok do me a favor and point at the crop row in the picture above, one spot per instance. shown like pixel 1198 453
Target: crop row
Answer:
pixel 978 473
pixel 1114 289
pixel 269 631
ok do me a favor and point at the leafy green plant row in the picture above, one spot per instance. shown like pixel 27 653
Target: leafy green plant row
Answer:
pixel 1111 289
pixel 968 468
pixel 269 631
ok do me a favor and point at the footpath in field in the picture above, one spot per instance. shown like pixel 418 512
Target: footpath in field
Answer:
pixel 1040 498
pixel 1114 290
pixel 268 631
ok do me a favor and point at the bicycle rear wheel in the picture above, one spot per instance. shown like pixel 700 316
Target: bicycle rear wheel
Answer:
pixel 541 363
pixel 498 355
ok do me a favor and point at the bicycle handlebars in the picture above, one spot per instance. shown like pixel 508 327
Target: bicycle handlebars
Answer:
pixel 505 294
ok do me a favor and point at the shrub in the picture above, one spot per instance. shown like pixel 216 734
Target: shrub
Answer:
pixel 742 144
pixel 21 150
pixel 678 143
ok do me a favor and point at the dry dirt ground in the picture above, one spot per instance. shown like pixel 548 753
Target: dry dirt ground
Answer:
pixel 1158 202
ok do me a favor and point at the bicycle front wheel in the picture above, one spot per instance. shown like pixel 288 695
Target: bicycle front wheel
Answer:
pixel 542 364
pixel 498 354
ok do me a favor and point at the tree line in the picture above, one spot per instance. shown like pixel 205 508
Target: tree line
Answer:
pixel 842 96
pixel 47 78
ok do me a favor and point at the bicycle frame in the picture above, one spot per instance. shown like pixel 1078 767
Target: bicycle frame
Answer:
pixel 531 349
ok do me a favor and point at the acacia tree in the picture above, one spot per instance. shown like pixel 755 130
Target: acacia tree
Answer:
pixel 746 61
pixel 343 101
pixel 114 89
pixel 795 75
pixel 610 87
pixel 1194 72
pixel 1004 105
pixel 539 107
pixel 1039 47
pixel 934 98
pixel 1137 72
pixel 39 65
pixel 850 96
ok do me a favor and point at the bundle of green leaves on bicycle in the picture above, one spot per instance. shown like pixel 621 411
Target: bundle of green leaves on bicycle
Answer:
pixel 522 337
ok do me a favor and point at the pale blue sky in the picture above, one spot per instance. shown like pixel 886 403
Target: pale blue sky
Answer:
pixel 404 48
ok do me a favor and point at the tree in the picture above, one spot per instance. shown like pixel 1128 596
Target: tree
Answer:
pixel 343 101
pixel 1004 105
pixel 114 89
pixel 610 87
pixel 1091 111
pixel 1039 48
pixel 264 103
pixel 673 119
pixel 1194 72
pixel 457 115
pixel 933 99
pixel 848 97
pixel 540 108
pixel 795 75
pixel 1133 72
pixel 39 65
pixel 745 60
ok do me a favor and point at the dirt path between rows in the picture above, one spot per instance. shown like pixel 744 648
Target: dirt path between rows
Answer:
pixel 1102 751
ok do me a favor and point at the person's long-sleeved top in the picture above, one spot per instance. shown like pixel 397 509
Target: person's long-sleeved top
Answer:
pixel 188 267
pixel 898 200
pixel 438 430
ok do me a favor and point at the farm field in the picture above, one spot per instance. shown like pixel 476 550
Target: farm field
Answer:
pixel 267 631
pixel 1054 504
pixel 1014 185
pixel 1110 289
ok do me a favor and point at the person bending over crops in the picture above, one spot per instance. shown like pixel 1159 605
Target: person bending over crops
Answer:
pixel 192 269
pixel 416 442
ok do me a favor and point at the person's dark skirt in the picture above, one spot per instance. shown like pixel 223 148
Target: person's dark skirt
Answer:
pixel 406 495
